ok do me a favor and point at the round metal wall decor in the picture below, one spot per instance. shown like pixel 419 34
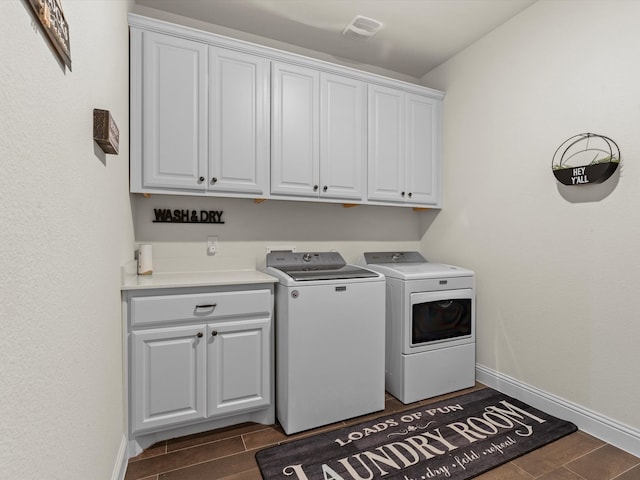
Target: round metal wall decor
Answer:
pixel 585 158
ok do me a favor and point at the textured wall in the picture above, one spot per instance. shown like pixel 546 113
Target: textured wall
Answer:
pixel 249 228
pixel 66 227
pixel 557 268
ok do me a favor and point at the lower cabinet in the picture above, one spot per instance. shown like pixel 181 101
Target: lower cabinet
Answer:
pixel 238 357
pixel 168 376
pixel 198 356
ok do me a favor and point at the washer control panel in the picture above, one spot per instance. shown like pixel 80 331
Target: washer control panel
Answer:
pixel 308 260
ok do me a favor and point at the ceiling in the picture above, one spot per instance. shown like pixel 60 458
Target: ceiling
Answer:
pixel 417 35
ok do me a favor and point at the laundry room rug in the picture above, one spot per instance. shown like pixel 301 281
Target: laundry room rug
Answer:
pixel 458 438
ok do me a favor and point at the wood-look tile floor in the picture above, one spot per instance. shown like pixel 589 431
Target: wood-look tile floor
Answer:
pixel 229 454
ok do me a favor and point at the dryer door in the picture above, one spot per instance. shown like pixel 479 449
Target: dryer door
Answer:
pixel 439 319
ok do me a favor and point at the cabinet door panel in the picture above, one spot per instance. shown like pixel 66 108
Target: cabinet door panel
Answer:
pixel 422 175
pixel 386 175
pixel 239 139
pixel 174 125
pixel 295 103
pixel 342 137
pixel 239 365
pixel 168 376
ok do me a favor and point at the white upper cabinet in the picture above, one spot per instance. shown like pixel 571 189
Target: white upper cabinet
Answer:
pixel 343 120
pixel 386 144
pixel 318 134
pixel 215 116
pixel 422 150
pixel 174 112
pixel 295 134
pixel 239 114
pixel 203 114
pixel 404 160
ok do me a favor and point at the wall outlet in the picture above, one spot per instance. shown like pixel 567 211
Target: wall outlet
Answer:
pixel 281 248
pixel 212 245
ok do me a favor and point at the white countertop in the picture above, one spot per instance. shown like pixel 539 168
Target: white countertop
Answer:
pixel 132 281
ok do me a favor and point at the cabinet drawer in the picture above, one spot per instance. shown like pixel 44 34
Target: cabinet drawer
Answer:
pixel 198 306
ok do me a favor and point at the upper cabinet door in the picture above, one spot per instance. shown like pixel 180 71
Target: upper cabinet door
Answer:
pixel 404 147
pixel 422 149
pixel 239 112
pixel 295 152
pixel 174 112
pixel 386 175
pixel 343 123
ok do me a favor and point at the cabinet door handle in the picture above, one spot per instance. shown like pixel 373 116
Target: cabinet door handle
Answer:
pixel 199 335
pixel 208 305
pixel 315 188
pixel 206 309
pixel 402 194
pixel 214 333
pixel 214 180
pixel 201 179
pixel 410 194
pixel 324 189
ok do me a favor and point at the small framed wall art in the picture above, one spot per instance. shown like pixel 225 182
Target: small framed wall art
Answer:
pixel 105 131
pixel 585 158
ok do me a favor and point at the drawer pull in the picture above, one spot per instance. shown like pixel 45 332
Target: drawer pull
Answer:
pixel 214 333
pixel 208 305
pixel 199 335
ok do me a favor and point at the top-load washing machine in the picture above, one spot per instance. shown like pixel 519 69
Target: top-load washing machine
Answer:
pixel 329 338
pixel 430 325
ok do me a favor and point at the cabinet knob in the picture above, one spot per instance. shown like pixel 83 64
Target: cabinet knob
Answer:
pixel 410 194
pixel 214 180
pixel 201 179
pixel 199 335
pixel 315 188
pixel 324 189
pixel 402 194
pixel 214 333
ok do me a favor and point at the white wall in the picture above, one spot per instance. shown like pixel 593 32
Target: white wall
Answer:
pixel 65 229
pixel 249 228
pixel 557 267
pixel 248 37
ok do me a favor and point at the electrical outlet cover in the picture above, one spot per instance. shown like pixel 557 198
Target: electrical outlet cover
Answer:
pixel 212 245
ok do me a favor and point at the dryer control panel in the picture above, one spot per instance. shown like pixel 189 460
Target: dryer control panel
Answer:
pixel 394 257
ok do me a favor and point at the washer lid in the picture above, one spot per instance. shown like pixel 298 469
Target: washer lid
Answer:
pixel 341 273
pixel 309 266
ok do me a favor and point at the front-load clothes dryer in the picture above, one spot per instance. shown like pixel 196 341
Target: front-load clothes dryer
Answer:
pixel 430 325
pixel 329 338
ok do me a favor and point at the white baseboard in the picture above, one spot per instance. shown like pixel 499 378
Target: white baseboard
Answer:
pixel 120 467
pixel 593 423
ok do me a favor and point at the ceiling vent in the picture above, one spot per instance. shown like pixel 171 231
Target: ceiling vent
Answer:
pixel 362 27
